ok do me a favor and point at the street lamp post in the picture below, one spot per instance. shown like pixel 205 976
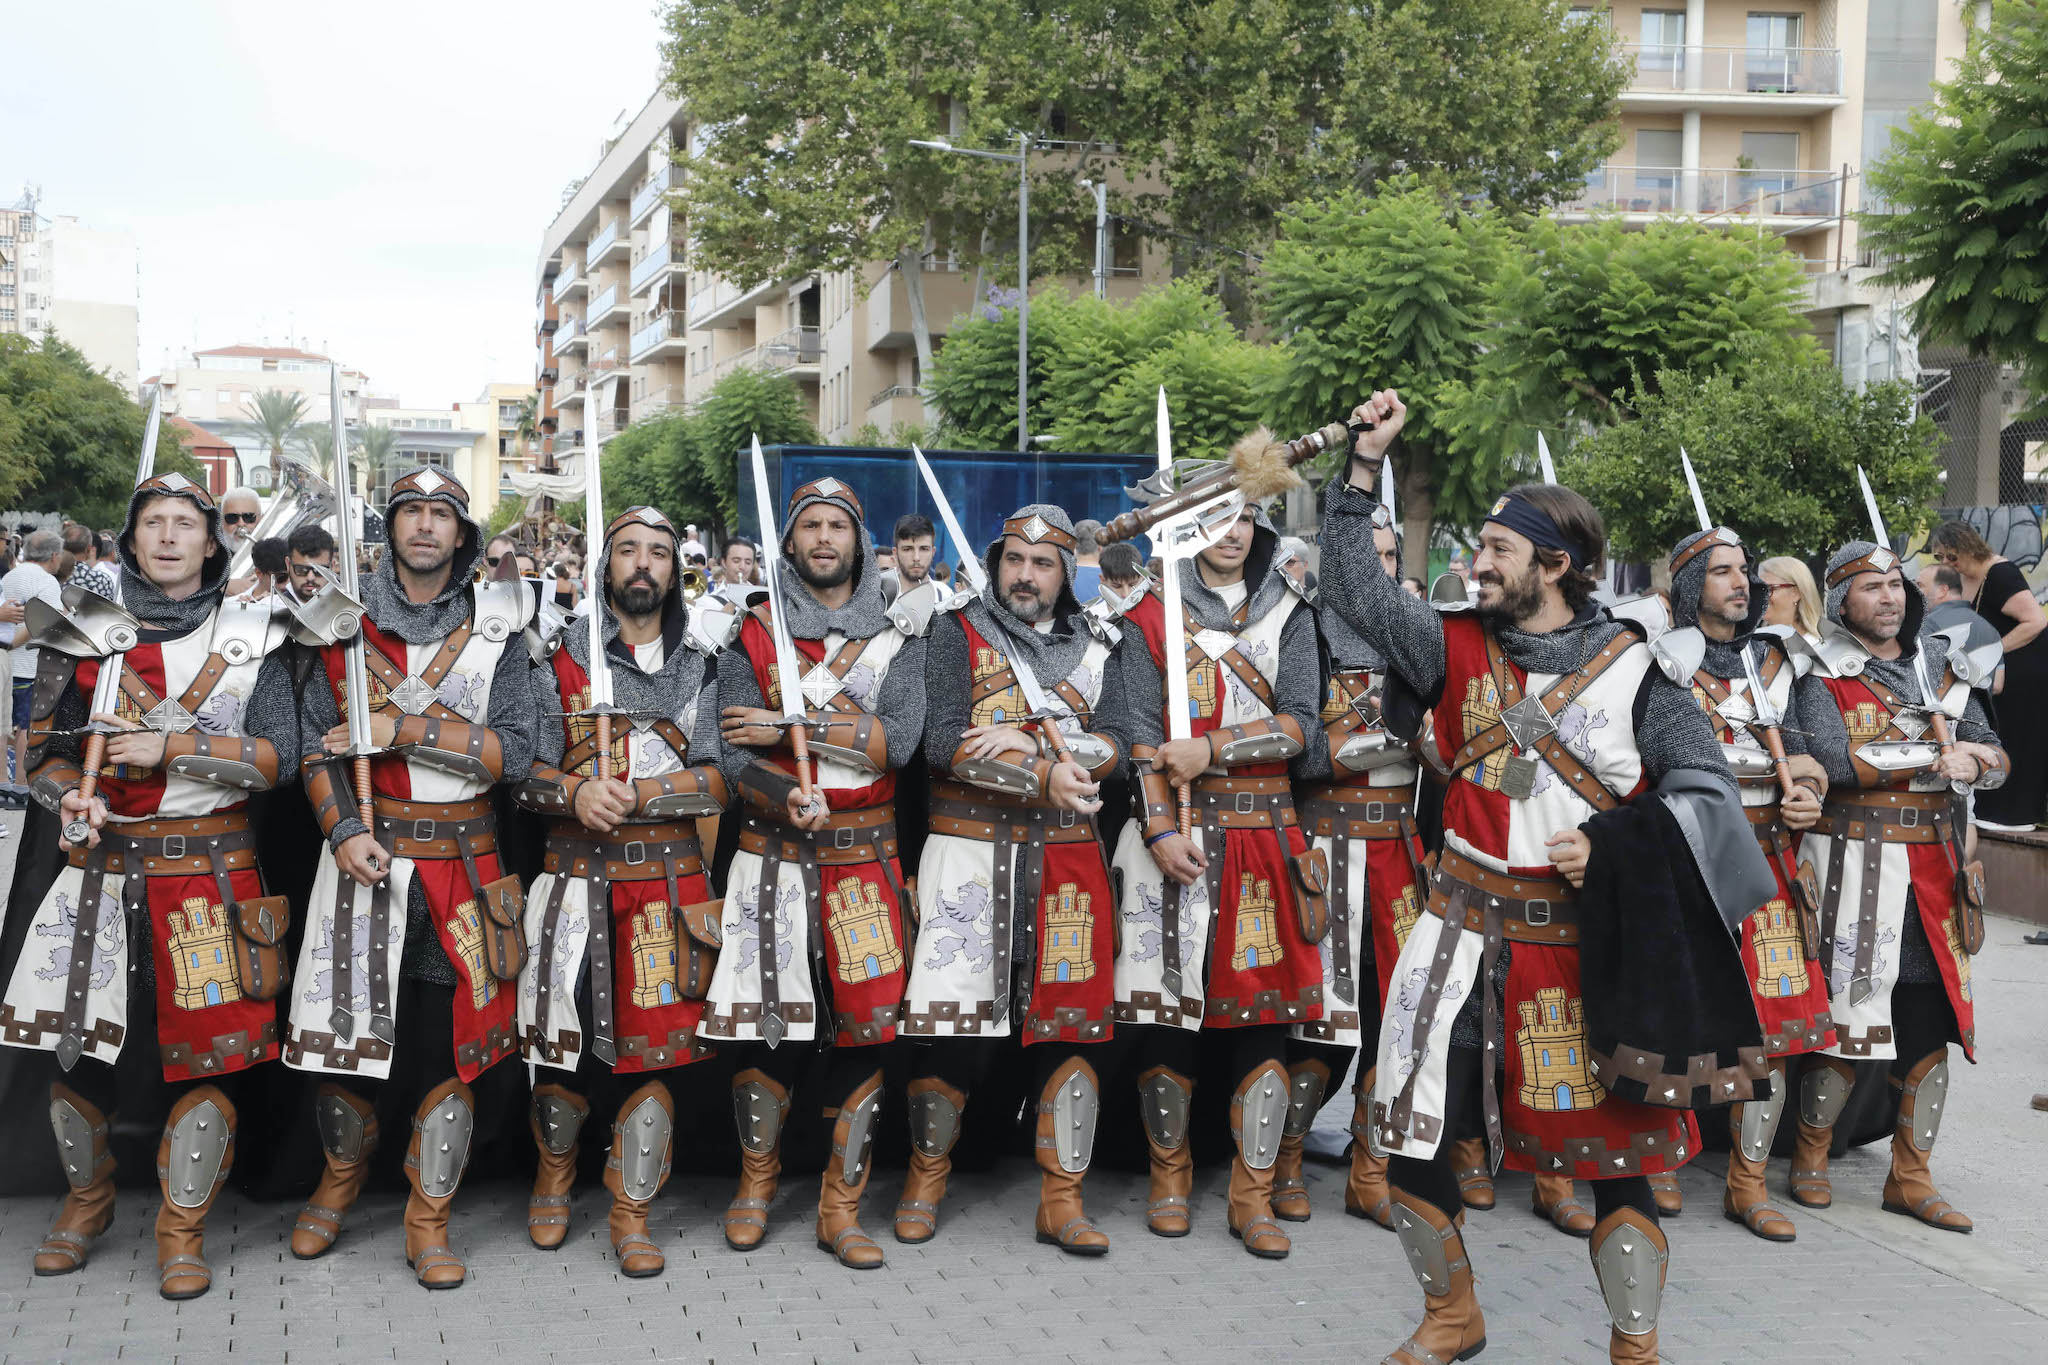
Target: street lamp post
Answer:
pixel 1021 158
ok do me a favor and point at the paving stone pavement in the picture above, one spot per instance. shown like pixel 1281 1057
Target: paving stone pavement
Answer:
pixel 1859 1285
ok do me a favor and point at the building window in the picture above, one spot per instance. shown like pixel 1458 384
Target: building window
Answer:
pixel 1663 40
pixel 6 315
pixel 1775 57
pixel 6 291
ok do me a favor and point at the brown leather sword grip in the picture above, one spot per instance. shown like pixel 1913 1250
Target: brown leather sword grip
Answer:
pixel 800 748
pixel 1775 742
pixel 365 807
pixel 604 748
pixel 76 832
pixel 1057 741
pixel 1186 797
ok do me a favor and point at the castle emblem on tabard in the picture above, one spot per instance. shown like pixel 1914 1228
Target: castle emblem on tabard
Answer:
pixel 1480 710
pixel 1406 908
pixel 653 946
pixel 1258 927
pixel 862 929
pixel 1865 721
pixel 466 927
pixel 1002 706
pixel 1780 955
pixel 1556 1073
pixel 1069 928
pixel 202 959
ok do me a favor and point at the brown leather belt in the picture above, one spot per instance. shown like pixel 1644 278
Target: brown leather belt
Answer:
pixel 1531 909
pixel 1899 817
pixel 1244 802
pixel 968 813
pixel 435 829
pixel 849 836
pixel 1348 812
pixel 170 848
pixel 630 853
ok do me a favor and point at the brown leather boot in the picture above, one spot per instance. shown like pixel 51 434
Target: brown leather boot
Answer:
pixel 192 1162
pixel 1909 1189
pixel 642 1138
pixel 935 1110
pixel 434 1163
pixel 846 1177
pixel 1629 1260
pixel 1475 1176
pixel 1554 1199
pixel 1065 1145
pixel 1452 1326
pixel 1258 1113
pixel 556 1119
pixel 1664 1189
pixel 1366 1194
pixel 1824 1088
pixel 88 1206
pixel 1163 1100
pixel 759 1105
pixel 348 1135
pixel 1752 1126
pixel 1307 1082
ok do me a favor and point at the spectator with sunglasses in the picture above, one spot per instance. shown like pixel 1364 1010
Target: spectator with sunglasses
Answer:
pixel 240 510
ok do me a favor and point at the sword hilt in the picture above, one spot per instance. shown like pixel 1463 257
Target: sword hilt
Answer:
pixel 365 806
pixel 1775 743
pixel 1186 797
pixel 800 747
pixel 76 832
pixel 604 747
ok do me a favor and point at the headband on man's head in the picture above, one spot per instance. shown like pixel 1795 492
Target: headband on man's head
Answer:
pixel 1526 518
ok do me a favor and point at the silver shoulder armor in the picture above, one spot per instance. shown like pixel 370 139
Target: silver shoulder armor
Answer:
pixel 89 626
pixel 1448 594
pixel 1973 667
pixel 329 618
pixel 245 630
pixel 1796 648
pixel 502 608
pixel 714 624
pixel 1648 611
pixel 912 612
pixel 1839 654
pixel 1679 653
pixel 1101 619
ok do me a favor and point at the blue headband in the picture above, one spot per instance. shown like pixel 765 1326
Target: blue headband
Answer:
pixel 1527 519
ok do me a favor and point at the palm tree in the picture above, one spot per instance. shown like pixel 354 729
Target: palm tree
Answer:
pixel 378 448
pixel 527 429
pixel 278 417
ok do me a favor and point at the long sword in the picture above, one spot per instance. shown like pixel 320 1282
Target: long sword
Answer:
pixel 1543 459
pixel 355 668
pixel 786 671
pixel 1692 483
pixel 106 689
pixel 1172 548
pixel 599 671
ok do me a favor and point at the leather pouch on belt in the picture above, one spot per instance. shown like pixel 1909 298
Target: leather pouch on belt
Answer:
pixel 1312 882
pixel 1806 900
pixel 504 938
pixel 1970 907
pixel 703 933
pixel 260 926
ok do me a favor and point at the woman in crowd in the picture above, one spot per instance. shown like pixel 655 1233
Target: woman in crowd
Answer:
pixel 1996 588
pixel 1794 598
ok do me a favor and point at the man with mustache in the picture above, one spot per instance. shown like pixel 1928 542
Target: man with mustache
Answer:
pixel 1233 905
pixel 414 936
pixel 204 717
pixel 814 927
pixel 1551 719
pixel 1901 912
pixel 1016 928
pixel 622 937
pixel 1717 612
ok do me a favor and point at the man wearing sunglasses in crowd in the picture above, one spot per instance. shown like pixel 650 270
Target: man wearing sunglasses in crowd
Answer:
pixel 240 510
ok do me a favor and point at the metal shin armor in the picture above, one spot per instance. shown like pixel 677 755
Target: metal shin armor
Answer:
pixel 1304 1101
pixel 1822 1093
pixel 1759 1119
pixel 758 1114
pixel 199 1149
pixel 641 1149
pixel 559 1122
pixel 1425 1249
pixel 343 1134
pixel 860 1135
pixel 444 1130
pixel 1262 1115
pixel 934 1122
pixel 1075 1105
pixel 1164 1098
pixel 1629 1264
pixel 76 1136
pixel 1928 1099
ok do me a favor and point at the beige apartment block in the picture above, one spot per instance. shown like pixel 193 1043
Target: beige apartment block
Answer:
pixel 61 277
pixel 627 326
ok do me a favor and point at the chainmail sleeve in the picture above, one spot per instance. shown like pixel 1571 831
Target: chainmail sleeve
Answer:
pixel 1111 717
pixel 550 742
pixel 513 712
pixel 1312 764
pixel 1672 732
pixel 736 685
pixel 317 715
pixel 1826 735
pixel 900 702
pixel 1405 629
pixel 272 714
pixel 1144 691
pixel 1300 690
pixel 948 712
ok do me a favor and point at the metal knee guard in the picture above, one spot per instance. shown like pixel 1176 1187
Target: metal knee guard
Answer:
pixel 860 1119
pixel 1427 1249
pixel 444 1129
pixel 1928 1097
pixel 343 1133
pixel 1758 1125
pixel 758 1113
pixel 1822 1093
pixel 1074 1105
pixel 640 1149
pixel 1164 1099
pixel 77 1140
pixel 559 1122
pixel 934 1122
pixel 1629 1265
pixel 1304 1101
pixel 1262 1115
pixel 199 1149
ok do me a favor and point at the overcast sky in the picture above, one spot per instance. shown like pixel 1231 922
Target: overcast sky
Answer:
pixel 371 178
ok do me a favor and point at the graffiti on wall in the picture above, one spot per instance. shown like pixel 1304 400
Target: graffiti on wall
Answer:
pixel 2015 530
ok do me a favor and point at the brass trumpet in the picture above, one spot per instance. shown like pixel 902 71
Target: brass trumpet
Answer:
pixel 694 584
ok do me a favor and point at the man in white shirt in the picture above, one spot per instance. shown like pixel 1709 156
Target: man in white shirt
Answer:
pixel 691 545
pixel 35 576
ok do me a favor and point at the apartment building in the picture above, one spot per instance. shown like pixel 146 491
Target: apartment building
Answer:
pixel 628 326
pixel 60 276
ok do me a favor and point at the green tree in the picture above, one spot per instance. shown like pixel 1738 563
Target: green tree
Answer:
pixel 508 513
pixel 1388 291
pixel 375 457
pixel 70 436
pixel 744 404
pixel 1962 200
pixel 278 417
pixel 526 429
pixel 1776 443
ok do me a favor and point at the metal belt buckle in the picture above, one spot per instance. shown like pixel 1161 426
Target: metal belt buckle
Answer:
pixel 636 852
pixel 1375 812
pixel 1066 818
pixel 843 838
pixel 1245 802
pixel 423 830
pixel 173 846
pixel 1536 912
pixel 1909 816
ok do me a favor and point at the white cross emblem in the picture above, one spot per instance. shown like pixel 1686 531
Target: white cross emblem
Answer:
pixel 413 696
pixel 1528 723
pixel 1215 643
pixel 820 686
pixel 169 718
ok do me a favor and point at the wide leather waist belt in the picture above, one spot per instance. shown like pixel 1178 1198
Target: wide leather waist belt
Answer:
pixel 1357 812
pixel 853 836
pixel 436 829
pixel 1530 909
pixel 1899 817
pixel 1244 802
pixel 965 813
pixel 161 847
pixel 631 853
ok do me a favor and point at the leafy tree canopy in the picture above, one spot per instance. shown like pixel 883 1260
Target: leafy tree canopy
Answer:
pixel 688 464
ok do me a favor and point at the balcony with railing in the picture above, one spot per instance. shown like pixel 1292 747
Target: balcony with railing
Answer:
pixel 655 332
pixel 796 351
pixel 570 336
pixel 570 283
pixel 657 401
pixel 649 191
pixel 1734 192
pixel 655 259
pixel 611 235
pixel 1779 77
pixel 605 307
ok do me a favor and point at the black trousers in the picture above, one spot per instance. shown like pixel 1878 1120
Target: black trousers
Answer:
pixel 966 1064
pixel 94 1082
pixel 1179 1049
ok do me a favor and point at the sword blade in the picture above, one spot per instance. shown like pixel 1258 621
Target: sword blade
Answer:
pixel 1870 505
pixel 970 558
pixel 600 670
pixel 145 467
pixel 786 670
pixel 1692 483
pixel 1543 459
pixel 1169 591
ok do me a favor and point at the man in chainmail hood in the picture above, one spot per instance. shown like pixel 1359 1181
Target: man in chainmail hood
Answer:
pixel 614 998
pixel 1550 718
pixel 1897 959
pixel 1717 648
pixel 202 716
pixel 1015 933
pixel 1220 922
pixel 416 934
pixel 814 917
